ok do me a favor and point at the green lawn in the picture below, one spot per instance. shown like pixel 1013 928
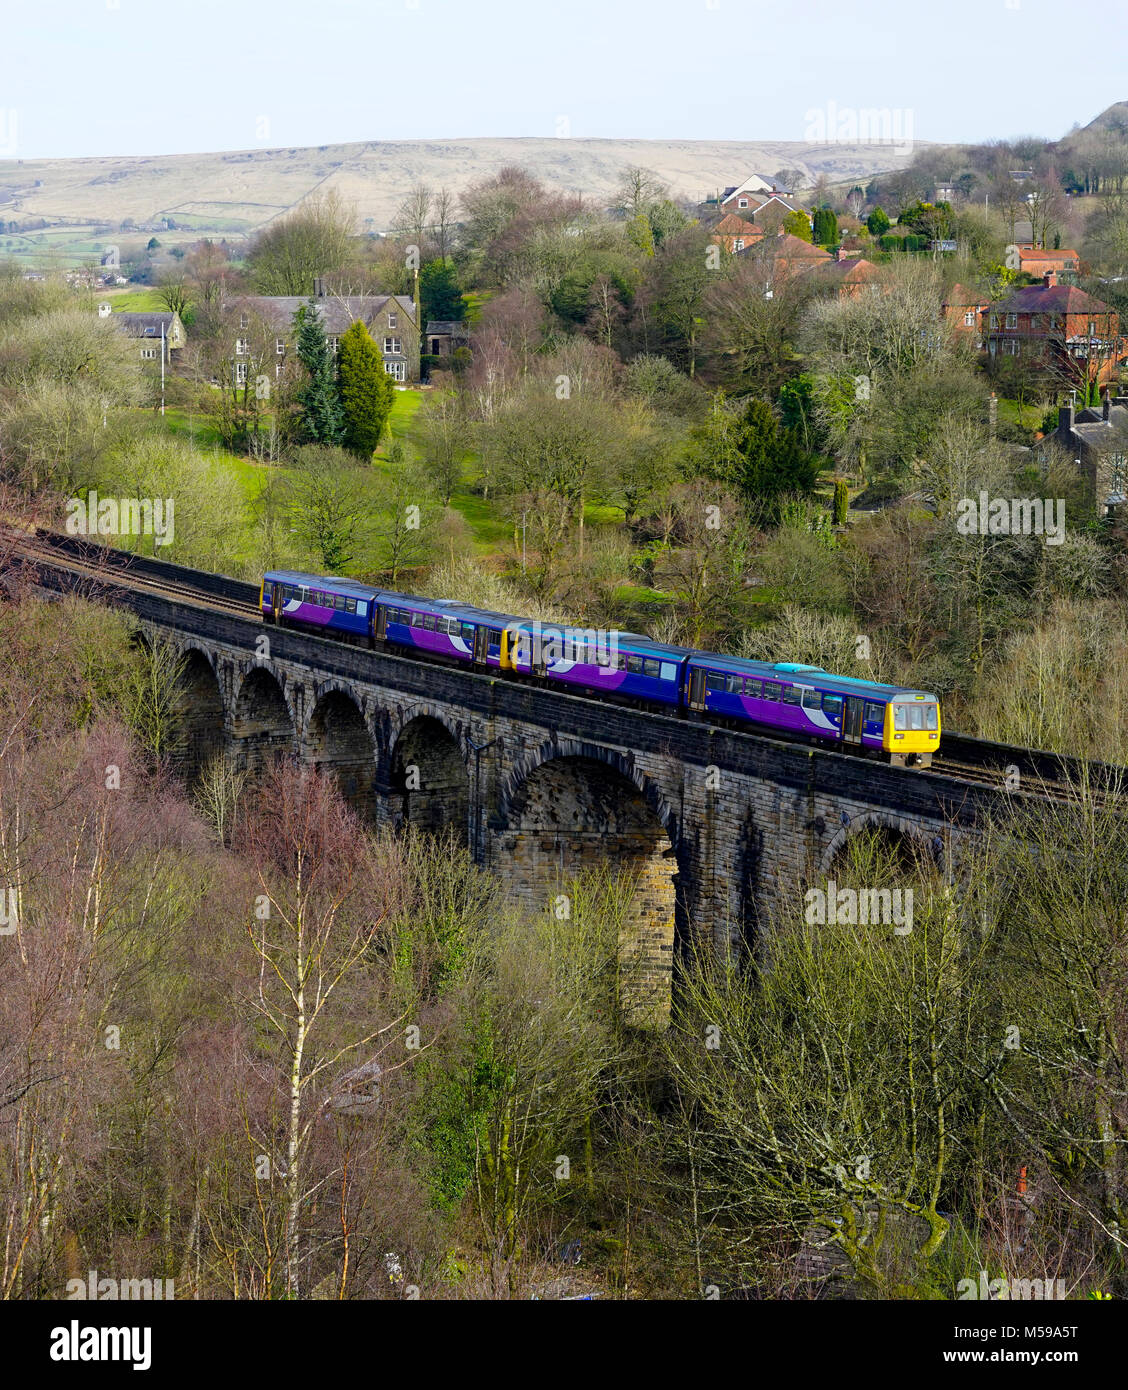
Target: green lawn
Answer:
pixel 139 301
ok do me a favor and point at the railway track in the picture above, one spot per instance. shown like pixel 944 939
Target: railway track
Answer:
pixel 979 762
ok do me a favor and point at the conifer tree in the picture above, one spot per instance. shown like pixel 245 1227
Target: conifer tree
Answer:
pixel 318 400
pixel 367 391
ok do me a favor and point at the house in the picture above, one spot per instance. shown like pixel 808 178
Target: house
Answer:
pixel 963 310
pixel 150 330
pixel 734 233
pixel 1098 439
pixel 1037 261
pixel 389 318
pixel 739 197
pixel 768 209
pixel 789 255
pixel 1057 329
pixel 446 336
pixel 847 275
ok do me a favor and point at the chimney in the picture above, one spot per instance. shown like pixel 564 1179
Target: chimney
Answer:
pixel 1065 418
pixel 1106 406
pixel 1049 280
pixel 318 287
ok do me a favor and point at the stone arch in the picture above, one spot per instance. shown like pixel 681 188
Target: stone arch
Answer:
pixel 337 739
pixel 262 722
pixel 914 840
pixel 197 713
pixel 569 808
pixel 428 777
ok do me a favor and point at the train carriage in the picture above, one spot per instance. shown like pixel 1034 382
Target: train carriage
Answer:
pixel 888 721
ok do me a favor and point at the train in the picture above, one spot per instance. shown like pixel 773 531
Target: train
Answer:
pixel 894 723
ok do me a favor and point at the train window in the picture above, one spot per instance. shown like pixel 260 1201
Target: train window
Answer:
pixel 416 619
pixel 653 667
pixel 634 665
pixel 495 637
pixel 916 716
pixel 811 699
pixel 350 606
pixel 832 704
pixel 791 695
pixel 736 685
pixel 930 716
pixel 899 720
pixel 468 632
pixel 715 680
pixel 875 713
pixel 752 687
pixel 669 671
pixel 429 622
pixel 771 690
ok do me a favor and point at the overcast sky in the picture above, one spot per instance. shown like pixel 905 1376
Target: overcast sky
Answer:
pixel 115 77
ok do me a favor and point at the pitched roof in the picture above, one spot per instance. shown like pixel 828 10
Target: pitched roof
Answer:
pixel 793 248
pixel 852 269
pixel 1053 299
pixel 960 296
pixel 144 325
pixel 336 312
pixel 453 328
pixel 733 225
pixel 1038 253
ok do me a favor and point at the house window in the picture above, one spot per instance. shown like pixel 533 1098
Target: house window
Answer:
pixel 149 354
pixel 242 347
pixel 994 320
pixel 393 320
pixel 1012 320
pixel 280 346
pixel 743 203
pixel 1033 321
pixel 244 322
pixel 393 345
pixel 333 341
pixel 240 373
pixel 1010 347
pixel 969 319
pixel 738 244
pixel 398 370
pixel 1092 327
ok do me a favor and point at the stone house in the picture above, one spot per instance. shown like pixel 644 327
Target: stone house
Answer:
pixel 1057 330
pixel 149 330
pixel 445 336
pixel 1097 438
pixel 389 318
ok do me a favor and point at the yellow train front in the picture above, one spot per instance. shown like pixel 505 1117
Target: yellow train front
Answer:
pixel 912 728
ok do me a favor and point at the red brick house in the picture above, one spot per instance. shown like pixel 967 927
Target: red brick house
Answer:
pixel 963 310
pixel 847 274
pixel 789 254
pixel 734 233
pixel 1057 329
pixel 1037 261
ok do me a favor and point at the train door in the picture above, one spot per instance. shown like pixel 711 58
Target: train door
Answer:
pixel 276 601
pixel 481 644
pixel 852 720
pixel 697 688
pixel 380 621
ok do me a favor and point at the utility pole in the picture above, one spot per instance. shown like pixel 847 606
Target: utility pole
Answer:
pixel 162 366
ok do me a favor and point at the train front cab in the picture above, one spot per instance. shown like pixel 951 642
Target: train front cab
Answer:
pixel 912 729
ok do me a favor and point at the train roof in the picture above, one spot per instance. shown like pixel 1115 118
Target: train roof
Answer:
pixel 804 675
pixel 321 581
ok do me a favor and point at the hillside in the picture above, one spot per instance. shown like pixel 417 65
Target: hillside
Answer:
pixel 238 191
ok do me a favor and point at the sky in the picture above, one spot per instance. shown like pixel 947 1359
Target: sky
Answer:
pixel 145 77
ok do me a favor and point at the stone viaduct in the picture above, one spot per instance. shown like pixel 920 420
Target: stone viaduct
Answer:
pixel 710 824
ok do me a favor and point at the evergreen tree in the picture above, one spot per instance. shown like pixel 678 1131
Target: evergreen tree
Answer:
pixel 319 404
pixel 878 222
pixel 745 447
pixel 798 224
pixel 366 390
pixel 826 227
pixel 439 293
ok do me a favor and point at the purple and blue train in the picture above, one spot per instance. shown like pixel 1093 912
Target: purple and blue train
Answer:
pixel 887 721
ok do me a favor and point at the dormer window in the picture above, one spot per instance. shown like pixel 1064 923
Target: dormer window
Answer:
pixel 393 320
